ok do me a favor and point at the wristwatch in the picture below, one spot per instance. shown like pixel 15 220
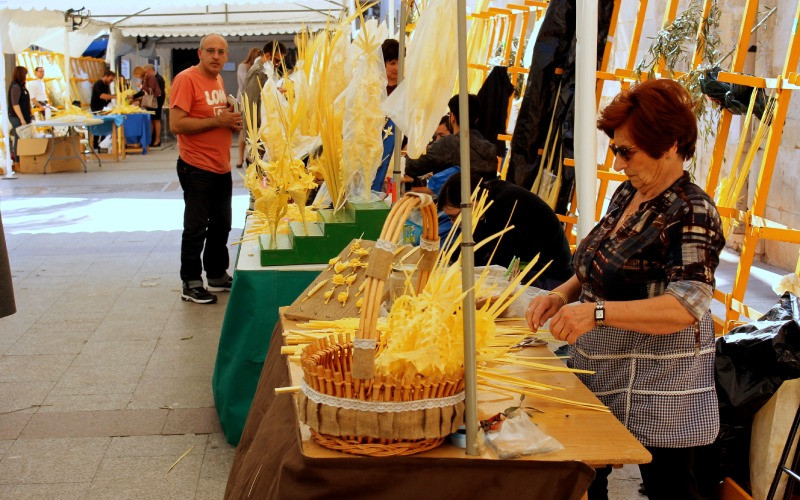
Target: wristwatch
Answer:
pixel 600 313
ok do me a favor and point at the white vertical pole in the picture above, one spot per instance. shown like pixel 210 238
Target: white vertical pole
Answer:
pixel 390 18
pixel 67 63
pixel 351 8
pixel 401 70
pixel 9 173
pixel 467 244
pixel 586 114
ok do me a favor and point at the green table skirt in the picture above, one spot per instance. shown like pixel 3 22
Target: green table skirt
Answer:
pixel 245 337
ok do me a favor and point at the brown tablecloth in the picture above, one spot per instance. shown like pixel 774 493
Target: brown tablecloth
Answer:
pixel 269 462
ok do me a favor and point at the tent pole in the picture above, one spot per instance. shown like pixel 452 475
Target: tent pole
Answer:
pixel 390 18
pixel 67 63
pixel 467 245
pixel 398 134
pixel 7 166
pixel 585 114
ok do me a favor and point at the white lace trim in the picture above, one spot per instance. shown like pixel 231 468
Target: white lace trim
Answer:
pixel 364 343
pixel 386 245
pixel 425 199
pixel 379 406
pixel 429 245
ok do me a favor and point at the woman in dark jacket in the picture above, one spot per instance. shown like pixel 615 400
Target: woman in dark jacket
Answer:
pixel 19 103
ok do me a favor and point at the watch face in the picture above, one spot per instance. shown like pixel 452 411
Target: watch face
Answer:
pixel 598 315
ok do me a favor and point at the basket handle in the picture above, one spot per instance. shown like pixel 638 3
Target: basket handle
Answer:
pixel 379 267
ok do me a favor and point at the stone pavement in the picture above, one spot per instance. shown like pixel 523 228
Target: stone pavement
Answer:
pixel 105 374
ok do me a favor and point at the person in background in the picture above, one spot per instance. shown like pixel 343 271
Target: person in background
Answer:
pixel 443 129
pixel 204 122
pixel 159 109
pixel 150 85
pixel 241 76
pixel 637 309
pixel 446 152
pixel 37 89
pixel 101 96
pixel 19 104
pixel 537 230
pixel 391 54
pixel 273 53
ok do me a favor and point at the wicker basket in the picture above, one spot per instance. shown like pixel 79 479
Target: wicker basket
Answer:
pixel 347 406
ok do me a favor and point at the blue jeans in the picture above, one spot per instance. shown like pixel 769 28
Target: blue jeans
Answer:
pixel 206 223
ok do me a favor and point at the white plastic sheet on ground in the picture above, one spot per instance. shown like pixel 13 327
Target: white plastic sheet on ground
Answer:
pixel 417 105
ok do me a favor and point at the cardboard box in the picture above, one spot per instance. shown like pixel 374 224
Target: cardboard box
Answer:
pixel 33 154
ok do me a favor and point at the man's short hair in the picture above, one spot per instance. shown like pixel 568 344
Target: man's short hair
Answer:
pixel 273 45
pixel 474 108
pixel 203 40
pixel 149 67
pixel 391 50
pixel 108 72
pixel 37 68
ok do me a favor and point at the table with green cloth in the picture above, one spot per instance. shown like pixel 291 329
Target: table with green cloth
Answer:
pixel 250 318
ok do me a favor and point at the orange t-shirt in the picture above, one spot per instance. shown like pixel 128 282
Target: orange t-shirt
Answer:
pixel 202 97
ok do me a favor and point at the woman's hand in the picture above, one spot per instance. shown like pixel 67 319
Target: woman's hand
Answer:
pixel 542 308
pixel 572 321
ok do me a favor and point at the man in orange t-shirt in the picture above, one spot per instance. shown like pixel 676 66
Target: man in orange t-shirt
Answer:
pixel 204 122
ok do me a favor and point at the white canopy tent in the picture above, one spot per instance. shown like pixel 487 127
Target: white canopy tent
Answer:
pixel 44 23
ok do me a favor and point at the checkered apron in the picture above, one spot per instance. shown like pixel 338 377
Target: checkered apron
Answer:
pixel 661 387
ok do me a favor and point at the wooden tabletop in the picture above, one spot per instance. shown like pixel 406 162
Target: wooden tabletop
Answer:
pixel 592 437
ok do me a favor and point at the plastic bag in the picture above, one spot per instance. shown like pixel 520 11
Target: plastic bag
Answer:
pixel 520 437
pixel 732 96
pixel 417 104
pixel 752 361
pixel 362 126
pixel 497 280
pixel 106 142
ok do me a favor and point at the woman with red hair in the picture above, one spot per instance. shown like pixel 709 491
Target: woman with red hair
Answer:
pixel 637 309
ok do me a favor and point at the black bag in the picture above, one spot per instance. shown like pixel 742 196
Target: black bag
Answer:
pixel 752 361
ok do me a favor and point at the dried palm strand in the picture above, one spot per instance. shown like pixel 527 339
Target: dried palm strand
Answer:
pixel 731 186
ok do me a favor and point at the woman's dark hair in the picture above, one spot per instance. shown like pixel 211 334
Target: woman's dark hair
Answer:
pixel 446 122
pixel 474 108
pixel 19 74
pixel 273 46
pixel 657 113
pixel 391 50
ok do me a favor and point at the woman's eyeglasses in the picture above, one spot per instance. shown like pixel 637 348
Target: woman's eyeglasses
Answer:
pixel 624 152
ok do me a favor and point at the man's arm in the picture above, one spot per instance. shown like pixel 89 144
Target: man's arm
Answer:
pixel 181 123
pixel 434 160
pixel 107 97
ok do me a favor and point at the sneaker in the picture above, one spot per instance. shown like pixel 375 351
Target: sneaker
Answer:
pixel 198 295
pixel 225 286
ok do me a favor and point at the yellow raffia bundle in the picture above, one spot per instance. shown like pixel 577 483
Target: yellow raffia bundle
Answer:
pixel 71 111
pixel 123 107
pixel 362 128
